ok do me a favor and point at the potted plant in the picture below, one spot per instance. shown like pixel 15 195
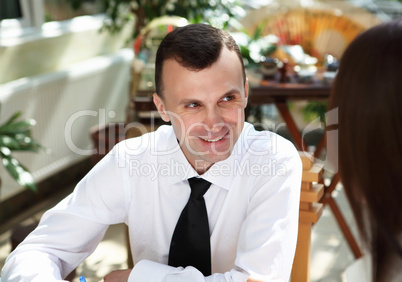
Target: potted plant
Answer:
pixel 15 135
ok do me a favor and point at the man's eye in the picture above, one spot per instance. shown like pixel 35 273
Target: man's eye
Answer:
pixel 192 105
pixel 228 98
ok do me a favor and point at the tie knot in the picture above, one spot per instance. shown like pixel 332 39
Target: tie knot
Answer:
pixel 198 187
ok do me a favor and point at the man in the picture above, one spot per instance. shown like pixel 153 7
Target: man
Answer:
pixel 254 177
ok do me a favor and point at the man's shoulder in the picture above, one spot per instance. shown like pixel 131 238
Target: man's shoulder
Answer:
pixel 147 142
pixel 265 142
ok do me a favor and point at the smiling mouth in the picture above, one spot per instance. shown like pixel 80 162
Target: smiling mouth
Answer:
pixel 212 140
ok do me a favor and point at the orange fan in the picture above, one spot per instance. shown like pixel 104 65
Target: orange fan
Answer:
pixel 318 31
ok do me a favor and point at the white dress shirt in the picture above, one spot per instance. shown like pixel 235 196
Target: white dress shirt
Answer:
pixel 252 207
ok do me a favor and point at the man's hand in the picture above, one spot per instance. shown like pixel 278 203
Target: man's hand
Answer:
pixel 118 276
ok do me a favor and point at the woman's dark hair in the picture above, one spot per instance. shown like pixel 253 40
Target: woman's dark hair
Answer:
pixel 195 47
pixel 368 94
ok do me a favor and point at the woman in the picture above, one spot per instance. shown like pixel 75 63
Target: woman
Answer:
pixel 368 94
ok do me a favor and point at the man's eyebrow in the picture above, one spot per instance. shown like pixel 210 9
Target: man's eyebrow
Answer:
pixel 187 101
pixel 232 91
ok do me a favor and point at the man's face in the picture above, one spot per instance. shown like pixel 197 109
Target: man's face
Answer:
pixel 206 108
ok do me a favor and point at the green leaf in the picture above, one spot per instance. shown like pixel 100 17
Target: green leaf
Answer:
pixel 15 143
pixel 17 127
pixel 9 142
pixel 26 143
pixel 13 118
pixel 315 109
pixel 16 136
pixel 258 32
pixel 10 166
pixel 5 152
pixel 19 173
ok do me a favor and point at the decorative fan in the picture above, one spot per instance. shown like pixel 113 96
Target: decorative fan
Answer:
pixel 318 31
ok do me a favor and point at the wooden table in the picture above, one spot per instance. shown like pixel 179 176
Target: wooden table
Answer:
pixel 279 94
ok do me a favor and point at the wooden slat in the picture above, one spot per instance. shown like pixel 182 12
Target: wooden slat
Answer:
pixel 311 215
pixel 305 206
pixel 306 186
pixel 301 264
pixel 307 162
pixel 313 195
pixel 314 174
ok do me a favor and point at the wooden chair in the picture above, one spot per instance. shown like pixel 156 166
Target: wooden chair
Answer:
pixel 310 212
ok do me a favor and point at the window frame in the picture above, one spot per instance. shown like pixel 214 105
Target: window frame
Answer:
pixel 32 18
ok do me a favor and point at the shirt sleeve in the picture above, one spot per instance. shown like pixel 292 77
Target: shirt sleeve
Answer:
pixel 268 235
pixel 70 232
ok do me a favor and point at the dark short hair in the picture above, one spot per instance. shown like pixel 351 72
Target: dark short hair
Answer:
pixel 368 94
pixel 195 47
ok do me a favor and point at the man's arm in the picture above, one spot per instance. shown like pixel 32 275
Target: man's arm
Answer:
pixel 70 231
pixel 54 249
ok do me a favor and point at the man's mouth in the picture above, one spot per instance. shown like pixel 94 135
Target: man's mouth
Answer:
pixel 213 140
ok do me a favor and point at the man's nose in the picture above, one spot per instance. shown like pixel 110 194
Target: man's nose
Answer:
pixel 214 119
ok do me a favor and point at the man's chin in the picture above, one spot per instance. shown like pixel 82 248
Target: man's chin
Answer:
pixel 214 158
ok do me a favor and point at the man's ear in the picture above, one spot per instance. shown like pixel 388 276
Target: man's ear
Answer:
pixel 246 93
pixel 160 106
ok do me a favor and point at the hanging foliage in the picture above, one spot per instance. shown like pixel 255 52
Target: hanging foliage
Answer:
pixel 15 135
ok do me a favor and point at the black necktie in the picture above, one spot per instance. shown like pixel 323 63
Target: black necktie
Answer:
pixel 190 245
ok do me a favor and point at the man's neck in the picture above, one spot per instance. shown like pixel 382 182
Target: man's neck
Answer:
pixel 201 167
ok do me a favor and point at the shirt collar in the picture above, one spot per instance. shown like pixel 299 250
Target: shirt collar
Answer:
pixel 220 173
pixel 181 169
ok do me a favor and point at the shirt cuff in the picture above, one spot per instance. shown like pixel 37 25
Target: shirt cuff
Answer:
pixel 146 270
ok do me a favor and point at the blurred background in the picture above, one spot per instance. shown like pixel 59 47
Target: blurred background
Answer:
pixel 75 73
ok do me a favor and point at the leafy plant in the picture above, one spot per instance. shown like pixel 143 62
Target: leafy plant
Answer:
pixel 315 109
pixel 121 11
pixel 255 47
pixel 15 135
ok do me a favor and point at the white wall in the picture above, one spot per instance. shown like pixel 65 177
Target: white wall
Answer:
pixel 66 70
